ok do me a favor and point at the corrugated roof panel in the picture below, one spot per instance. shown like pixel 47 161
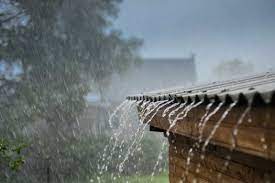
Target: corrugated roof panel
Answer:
pixel 262 85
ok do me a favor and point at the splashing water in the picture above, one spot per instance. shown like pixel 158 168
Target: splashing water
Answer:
pixel 154 108
pixel 207 118
pixel 178 117
pixel 145 106
pixel 137 141
pixel 159 107
pixel 105 160
pixel 217 125
pixel 165 112
pixel 174 112
pixel 236 127
pixel 184 114
pixel 115 113
pixel 234 135
pixel 197 145
pixel 148 111
pixel 207 109
pixel 160 157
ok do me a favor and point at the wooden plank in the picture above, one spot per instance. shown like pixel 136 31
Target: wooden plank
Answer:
pixel 212 167
pixel 201 175
pixel 256 135
pixel 221 152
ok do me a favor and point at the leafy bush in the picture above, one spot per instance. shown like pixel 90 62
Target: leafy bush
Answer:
pixel 11 158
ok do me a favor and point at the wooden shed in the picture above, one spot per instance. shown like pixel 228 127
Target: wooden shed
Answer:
pixel 218 132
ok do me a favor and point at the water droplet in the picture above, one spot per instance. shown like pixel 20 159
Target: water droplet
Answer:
pixel 235 132
pixel 197 170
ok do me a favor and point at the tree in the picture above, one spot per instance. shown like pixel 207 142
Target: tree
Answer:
pixel 59 48
pixel 232 68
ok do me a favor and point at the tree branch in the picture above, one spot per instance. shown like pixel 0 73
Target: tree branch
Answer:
pixel 11 18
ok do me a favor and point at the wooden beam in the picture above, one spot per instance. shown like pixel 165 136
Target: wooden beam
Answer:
pixel 256 134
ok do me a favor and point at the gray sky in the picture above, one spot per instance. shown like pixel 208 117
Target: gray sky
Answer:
pixel 215 30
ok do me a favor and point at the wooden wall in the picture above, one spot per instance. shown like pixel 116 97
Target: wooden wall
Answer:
pixel 256 134
pixel 216 165
pixel 251 161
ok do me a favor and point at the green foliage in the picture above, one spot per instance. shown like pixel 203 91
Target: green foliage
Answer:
pixel 82 156
pixel 161 178
pixel 77 160
pixel 62 50
pixel 144 160
pixel 65 47
pixel 11 158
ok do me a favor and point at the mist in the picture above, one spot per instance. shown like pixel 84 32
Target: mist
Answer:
pixel 101 90
pixel 216 31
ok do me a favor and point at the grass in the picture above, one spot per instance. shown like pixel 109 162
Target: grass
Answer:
pixel 162 178
pixel 145 179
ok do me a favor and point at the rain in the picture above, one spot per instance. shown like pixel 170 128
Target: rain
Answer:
pixel 114 91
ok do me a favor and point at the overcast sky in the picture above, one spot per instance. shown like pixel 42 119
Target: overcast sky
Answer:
pixel 215 30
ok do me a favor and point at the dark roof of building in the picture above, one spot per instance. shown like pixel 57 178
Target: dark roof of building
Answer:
pixel 172 59
pixel 254 89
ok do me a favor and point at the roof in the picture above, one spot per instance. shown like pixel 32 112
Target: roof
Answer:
pixel 254 89
pixel 172 59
